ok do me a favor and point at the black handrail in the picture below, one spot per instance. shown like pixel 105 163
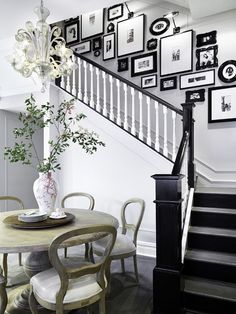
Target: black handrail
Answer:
pixel 180 155
pixel 154 97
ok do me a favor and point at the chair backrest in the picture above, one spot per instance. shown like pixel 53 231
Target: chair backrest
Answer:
pixel 18 201
pixel 79 194
pixel 132 226
pixel 81 235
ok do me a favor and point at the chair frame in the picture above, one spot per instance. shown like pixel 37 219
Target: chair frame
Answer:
pixel 66 273
pixel 3 293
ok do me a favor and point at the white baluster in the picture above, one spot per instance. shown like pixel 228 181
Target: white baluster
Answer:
pixel 118 119
pixel 74 78
pixel 126 108
pixel 85 83
pixel 68 84
pixel 173 135
pixel 140 135
pixel 104 111
pixel 111 99
pixel 98 107
pixel 165 150
pixel 91 83
pixel 63 82
pixel 133 130
pixel 149 139
pixel 157 142
pixel 79 79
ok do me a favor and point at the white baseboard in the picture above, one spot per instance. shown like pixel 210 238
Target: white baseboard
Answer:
pixel 146 249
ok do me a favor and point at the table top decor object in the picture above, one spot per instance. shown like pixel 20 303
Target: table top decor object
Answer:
pixel 32 216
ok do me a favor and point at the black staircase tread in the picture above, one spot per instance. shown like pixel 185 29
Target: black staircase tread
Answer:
pixel 212 257
pixel 213 231
pixel 210 288
pixel 215 210
pixel 215 190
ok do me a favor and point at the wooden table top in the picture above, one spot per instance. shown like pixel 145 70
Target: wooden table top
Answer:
pixel 14 240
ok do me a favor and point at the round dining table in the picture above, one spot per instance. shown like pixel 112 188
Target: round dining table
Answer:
pixel 36 242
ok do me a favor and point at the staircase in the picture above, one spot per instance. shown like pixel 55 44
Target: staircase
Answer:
pixel 210 261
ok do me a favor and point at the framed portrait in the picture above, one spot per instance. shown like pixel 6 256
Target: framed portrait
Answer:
pixel 83 47
pixel 123 64
pixel 144 64
pixel 115 12
pixel 109 46
pixel 195 95
pixel 97 53
pixel 206 39
pixel 222 104
pixel 159 26
pixel 227 71
pixel 197 79
pixel 207 57
pixel 176 53
pixel 149 81
pixel 130 36
pixel 152 44
pixel 71 30
pixel 97 43
pixel 92 24
pixel 168 83
pixel 110 27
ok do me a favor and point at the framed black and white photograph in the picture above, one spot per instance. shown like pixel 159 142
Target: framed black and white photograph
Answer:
pixel 176 53
pixel 123 64
pixel 168 83
pixel 227 71
pixel 222 104
pixel 109 46
pixel 130 34
pixel 197 79
pixel 115 12
pixel 92 24
pixel 97 43
pixel 97 53
pixel 159 26
pixel 207 57
pixel 149 81
pixel 110 27
pixel 72 32
pixel 196 95
pixel 152 44
pixel 83 47
pixel 206 39
pixel 144 64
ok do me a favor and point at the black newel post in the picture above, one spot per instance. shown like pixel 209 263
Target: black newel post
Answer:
pixel 167 272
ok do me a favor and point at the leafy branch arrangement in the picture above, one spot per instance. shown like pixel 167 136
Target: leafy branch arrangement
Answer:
pixel 68 131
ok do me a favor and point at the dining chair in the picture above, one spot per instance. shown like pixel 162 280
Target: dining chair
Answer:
pixel 20 205
pixel 126 242
pixel 64 288
pixel 90 206
pixel 3 293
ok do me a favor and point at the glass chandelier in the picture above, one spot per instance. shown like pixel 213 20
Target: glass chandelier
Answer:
pixel 42 50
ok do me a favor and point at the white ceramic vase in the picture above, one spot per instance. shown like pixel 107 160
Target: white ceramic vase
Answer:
pixel 45 191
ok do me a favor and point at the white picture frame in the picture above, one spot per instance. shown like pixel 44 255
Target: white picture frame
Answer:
pixel 92 24
pixel 130 36
pixel 197 79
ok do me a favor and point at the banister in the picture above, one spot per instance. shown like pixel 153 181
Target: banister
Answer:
pixel 152 96
pixel 180 155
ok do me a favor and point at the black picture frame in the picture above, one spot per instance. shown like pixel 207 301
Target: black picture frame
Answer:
pixel 149 81
pixel 159 26
pixel 109 47
pixel 227 71
pixel 83 47
pixel 144 64
pixel 221 104
pixel 110 27
pixel 196 95
pixel 130 36
pixel 115 12
pixel 97 53
pixel 197 79
pixel 152 44
pixel 123 64
pixel 206 39
pixel 97 43
pixel 92 24
pixel 207 57
pixel 168 83
pixel 71 31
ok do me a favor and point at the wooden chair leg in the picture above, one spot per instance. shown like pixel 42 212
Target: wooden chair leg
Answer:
pixel 86 254
pixel 5 266
pixel 90 253
pixel 122 261
pixel 32 301
pixel 108 275
pixel 20 259
pixel 3 293
pixel 102 305
pixel 65 252
pixel 136 268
